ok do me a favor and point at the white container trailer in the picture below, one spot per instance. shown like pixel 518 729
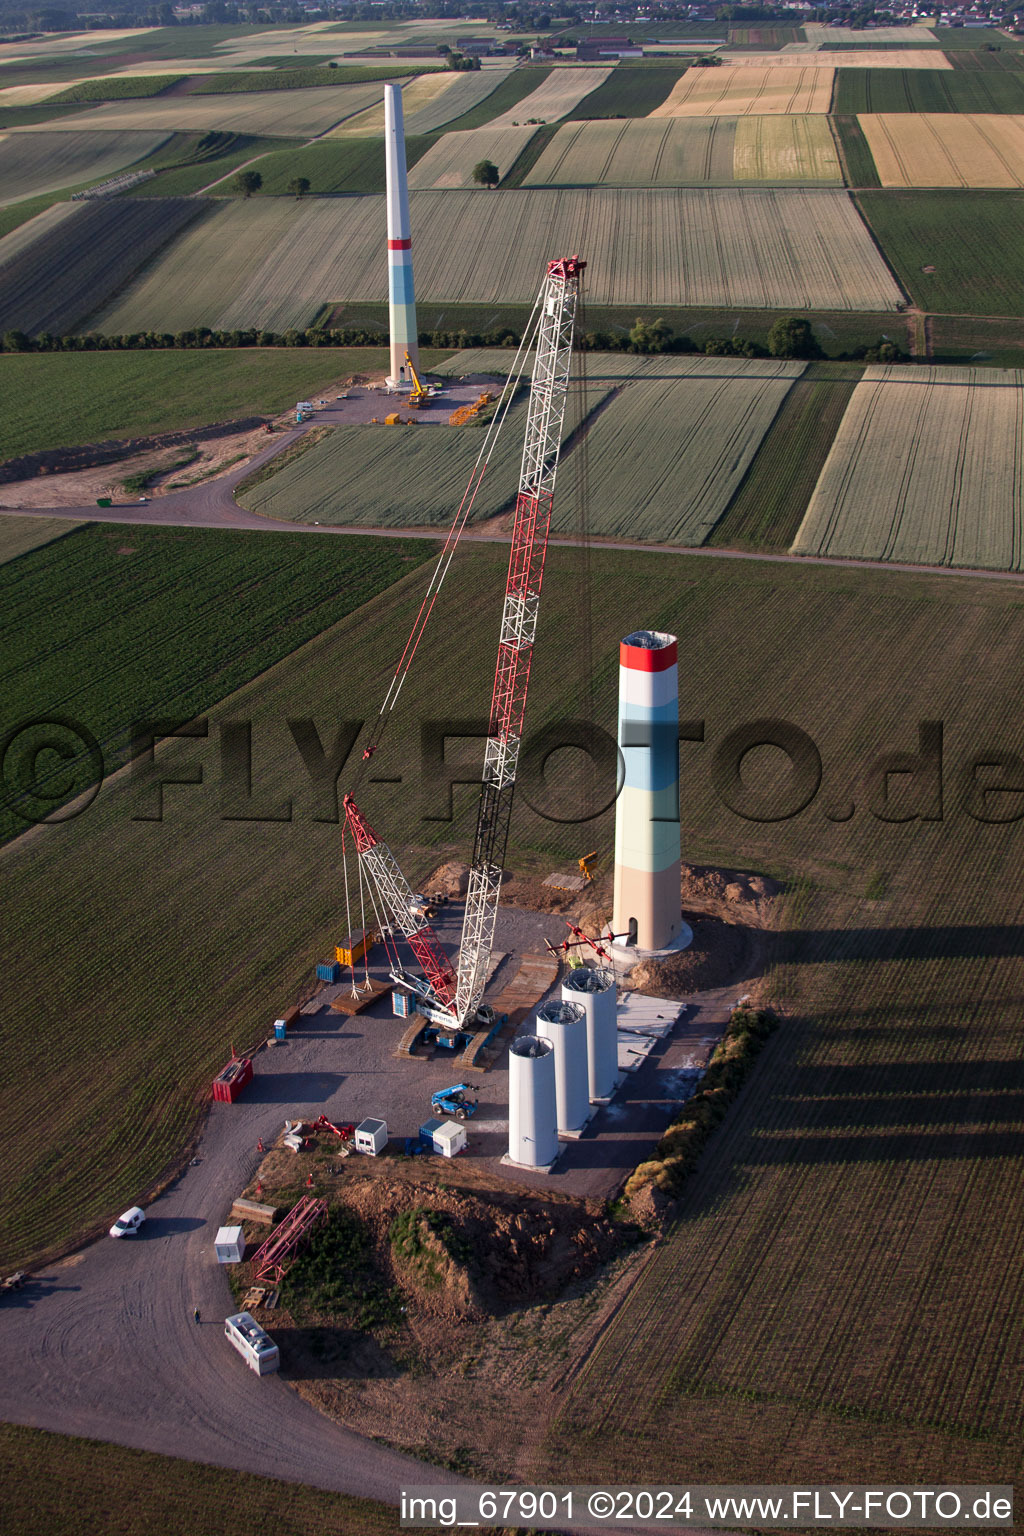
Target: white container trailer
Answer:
pixel 371 1137
pixel 230 1245
pixel 449 1138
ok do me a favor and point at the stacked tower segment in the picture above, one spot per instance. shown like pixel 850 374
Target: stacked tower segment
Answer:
pixel 647 907
pixel 401 294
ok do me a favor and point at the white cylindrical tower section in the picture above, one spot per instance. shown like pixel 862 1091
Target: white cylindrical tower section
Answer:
pixel 532 1133
pixel 565 1025
pixel 594 990
pixel 647 910
pixel 401 295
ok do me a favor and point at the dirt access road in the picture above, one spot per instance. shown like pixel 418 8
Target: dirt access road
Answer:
pixel 103 1344
pixel 213 506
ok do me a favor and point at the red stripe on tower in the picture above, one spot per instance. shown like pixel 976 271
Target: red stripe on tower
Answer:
pixel 642 659
pixel 399 245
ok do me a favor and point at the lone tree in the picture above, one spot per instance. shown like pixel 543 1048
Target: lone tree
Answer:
pixel 299 186
pixel 793 337
pixel 248 182
pixel 486 173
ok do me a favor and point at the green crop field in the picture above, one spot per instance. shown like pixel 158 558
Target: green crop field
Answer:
pixel 668 452
pixel 841 1285
pixel 926 90
pixel 34 163
pixel 855 152
pixel 62 399
pixel 159 622
pixel 119 88
pixel 972 339
pixel 60 1483
pixel 925 468
pixel 952 250
pixel 285 114
pixel 630 91
pixel 335 165
pixel 767 509
pixel 669 440
pixel 79 261
pixel 20 534
pixel 191 162
pixel 273 263
pixel 377 476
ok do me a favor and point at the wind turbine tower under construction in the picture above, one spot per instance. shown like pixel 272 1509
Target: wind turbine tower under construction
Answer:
pixel 401 296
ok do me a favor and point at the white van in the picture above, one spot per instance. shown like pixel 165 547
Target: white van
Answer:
pixel 257 1348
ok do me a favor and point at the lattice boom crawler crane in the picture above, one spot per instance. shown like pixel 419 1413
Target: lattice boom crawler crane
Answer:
pixel 448 997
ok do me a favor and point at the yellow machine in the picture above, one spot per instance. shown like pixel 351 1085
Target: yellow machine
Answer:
pixel 420 393
pixel 355 946
pixel 394 420
pixel 585 863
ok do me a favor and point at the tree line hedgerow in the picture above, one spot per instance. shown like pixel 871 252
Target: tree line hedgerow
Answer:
pixel 789 337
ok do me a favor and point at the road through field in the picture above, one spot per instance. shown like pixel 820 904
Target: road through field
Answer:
pixel 213 506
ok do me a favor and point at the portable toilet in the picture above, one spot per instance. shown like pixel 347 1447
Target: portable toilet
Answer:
pixel 230 1245
pixel 371 1137
pixel 280 1029
pixel 449 1138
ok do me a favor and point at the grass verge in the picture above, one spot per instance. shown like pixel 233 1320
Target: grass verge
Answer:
pixel 74 1486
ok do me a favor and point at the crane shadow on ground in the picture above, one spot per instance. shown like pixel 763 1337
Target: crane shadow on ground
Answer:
pixel 293 1087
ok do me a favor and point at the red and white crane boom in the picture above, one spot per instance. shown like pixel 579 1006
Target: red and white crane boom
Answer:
pixel 457 995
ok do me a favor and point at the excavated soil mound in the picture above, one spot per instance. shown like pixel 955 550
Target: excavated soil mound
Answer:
pixel 490 1252
pixel 720 953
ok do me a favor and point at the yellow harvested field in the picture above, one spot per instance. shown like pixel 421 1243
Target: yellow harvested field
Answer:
pixel 554 97
pixel 797 147
pixel 420 92
pixel 856 58
pixel 742 91
pixel 946 149
pixel 925 468
pixel 58 45
pixel 277 114
pixel 920 34
pixel 449 163
pixel 272 262
pixel 639 152
pixel 29 95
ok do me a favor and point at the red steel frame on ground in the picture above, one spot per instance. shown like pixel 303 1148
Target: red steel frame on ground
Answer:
pixel 271 1261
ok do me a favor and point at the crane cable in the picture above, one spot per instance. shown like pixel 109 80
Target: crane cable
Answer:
pixel 451 543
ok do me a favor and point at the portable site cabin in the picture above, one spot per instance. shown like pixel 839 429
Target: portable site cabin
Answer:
pixel 449 1138
pixel 371 1137
pixel 230 1245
